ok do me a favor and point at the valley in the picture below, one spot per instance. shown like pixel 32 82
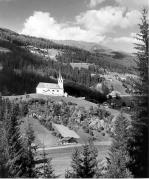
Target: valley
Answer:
pixel 95 80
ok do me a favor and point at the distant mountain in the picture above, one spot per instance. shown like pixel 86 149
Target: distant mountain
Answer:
pixel 93 47
pixel 89 46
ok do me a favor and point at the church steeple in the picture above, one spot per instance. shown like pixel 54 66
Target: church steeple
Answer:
pixel 60 80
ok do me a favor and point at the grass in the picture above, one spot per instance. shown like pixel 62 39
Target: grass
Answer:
pixel 4 50
pixel 61 158
pixel 42 135
pixel 80 65
pixel 78 101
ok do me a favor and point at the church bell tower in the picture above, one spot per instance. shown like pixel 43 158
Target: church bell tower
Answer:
pixel 60 81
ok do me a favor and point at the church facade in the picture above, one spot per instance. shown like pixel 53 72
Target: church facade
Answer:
pixel 51 89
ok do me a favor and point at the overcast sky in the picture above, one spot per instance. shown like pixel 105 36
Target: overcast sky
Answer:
pixel 112 23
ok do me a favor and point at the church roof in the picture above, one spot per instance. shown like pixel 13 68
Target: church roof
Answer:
pixel 48 85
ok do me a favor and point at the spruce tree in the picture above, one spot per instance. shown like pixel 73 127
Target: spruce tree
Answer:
pixel 14 155
pixel 139 131
pixel 117 162
pixel 75 165
pixel 84 163
pixel 30 152
pixel 45 170
pixel 14 143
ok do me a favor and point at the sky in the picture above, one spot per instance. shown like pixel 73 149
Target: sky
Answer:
pixel 111 23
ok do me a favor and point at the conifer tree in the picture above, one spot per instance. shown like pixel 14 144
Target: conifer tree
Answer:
pixel 30 152
pixel 13 150
pixel 14 155
pixel 45 170
pixel 117 163
pixel 75 165
pixel 14 142
pixel 139 131
pixel 84 163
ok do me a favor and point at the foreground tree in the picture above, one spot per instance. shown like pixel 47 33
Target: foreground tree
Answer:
pixel 139 131
pixel 117 163
pixel 16 155
pixel 30 152
pixel 84 163
pixel 45 170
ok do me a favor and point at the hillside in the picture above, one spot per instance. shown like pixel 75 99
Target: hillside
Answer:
pixel 99 49
pixel 78 51
pixel 89 46
pixel 25 61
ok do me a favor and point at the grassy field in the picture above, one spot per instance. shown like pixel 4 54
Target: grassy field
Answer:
pixel 61 158
pixel 80 65
pixel 78 101
pixel 42 135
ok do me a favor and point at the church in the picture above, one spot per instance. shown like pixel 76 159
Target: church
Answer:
pixel 52 89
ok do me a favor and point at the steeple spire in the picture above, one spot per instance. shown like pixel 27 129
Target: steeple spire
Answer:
pixel 60 80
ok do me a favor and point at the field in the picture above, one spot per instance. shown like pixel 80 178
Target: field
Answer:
pixel 78 101
pixel 4 50
pixel 61 158
pixel 80 65
pixel 61 155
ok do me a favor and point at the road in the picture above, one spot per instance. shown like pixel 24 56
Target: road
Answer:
pixel 103 143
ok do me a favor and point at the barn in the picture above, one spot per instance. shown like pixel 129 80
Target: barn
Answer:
pixel 65 134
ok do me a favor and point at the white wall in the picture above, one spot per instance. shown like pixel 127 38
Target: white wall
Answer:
pixel 52 92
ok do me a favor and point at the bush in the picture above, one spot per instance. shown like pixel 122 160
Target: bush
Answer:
pixel 101 128
pixel 103 134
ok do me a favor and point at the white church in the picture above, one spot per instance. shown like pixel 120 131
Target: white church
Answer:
pixel 52 89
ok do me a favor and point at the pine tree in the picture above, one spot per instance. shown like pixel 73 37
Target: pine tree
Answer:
pixel 16 156
pixel 75 165
pixel 13 151
pixel 14 143
pixel 30 152
pixel 117 163
pixel 139 131
pixel 84 163
pixel 45 170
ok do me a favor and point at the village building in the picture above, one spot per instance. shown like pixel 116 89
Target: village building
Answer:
pixel 65 134
pixel 114 94
pixel 51 89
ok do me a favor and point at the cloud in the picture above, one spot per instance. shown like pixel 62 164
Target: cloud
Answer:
pixel 122 43
pixel 90 26
pixel 93 3
pixel 131 4
pixel 107 18
pixel 42 24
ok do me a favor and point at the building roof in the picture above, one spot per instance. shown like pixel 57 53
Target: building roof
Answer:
pixel 65 131
pixel 48 85
pixel 114 93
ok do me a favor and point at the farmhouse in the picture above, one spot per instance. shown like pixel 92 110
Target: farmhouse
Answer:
pixel 114 94
pixel 51 88
pixel 66 135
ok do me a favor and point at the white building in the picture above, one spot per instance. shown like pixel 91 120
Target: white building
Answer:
pixel 113 94
pixel 51 89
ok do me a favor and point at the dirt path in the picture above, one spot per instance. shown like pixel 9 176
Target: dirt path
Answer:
pixel 106 143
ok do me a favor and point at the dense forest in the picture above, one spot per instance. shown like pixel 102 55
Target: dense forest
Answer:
pixel 21 71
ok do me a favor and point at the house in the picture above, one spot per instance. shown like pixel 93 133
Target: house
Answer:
pixel 65 134
pixel 114 94
pixel 51 89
